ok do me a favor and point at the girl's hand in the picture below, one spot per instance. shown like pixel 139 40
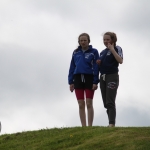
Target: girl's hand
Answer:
pixel 98 62
pixel 94 87
pixel 71 87
pixel 110 46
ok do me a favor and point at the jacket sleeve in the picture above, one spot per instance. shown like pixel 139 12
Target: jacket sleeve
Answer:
pixel 71 71
pixel 96 68
pixel 120 53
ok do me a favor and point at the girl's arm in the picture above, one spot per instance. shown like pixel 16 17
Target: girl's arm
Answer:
pixel 96 68
pixel 117 57
pixel 71 71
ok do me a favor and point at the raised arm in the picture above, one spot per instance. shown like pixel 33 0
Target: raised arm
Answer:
pixel 116 55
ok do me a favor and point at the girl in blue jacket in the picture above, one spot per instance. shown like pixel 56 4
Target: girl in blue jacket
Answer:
pixel 110 58
pixel 84 76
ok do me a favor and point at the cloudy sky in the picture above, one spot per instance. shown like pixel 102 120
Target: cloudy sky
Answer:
pixel 37 38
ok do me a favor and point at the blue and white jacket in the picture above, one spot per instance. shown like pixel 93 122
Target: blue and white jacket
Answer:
pixel 109 64
pixel 84 63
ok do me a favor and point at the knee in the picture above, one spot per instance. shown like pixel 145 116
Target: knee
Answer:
pixel 110 105
pixel 89 105
pixel 81 105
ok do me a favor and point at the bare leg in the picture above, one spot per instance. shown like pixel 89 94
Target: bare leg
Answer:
pixel 90 111
pixel 82 112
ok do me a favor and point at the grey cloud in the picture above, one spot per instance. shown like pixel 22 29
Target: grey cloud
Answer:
pixel 132 116
pixel 29 72
pixel 32 84
pixel 135 17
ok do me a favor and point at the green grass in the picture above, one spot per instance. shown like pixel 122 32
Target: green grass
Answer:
pixel 79 138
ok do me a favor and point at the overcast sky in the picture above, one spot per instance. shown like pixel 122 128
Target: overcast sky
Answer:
pixel 37 38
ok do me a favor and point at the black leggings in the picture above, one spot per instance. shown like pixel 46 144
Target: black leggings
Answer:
pixel 108 86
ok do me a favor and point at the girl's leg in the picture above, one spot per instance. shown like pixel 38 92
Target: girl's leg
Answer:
pixel 112 82
pixel 103 93
pixel 80 97
pixel 82 112
pixel 89 103
pixel 90 111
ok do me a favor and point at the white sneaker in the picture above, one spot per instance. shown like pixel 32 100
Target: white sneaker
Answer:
pixel 111 125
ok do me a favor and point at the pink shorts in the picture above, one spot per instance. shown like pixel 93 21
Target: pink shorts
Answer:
pixel 81 92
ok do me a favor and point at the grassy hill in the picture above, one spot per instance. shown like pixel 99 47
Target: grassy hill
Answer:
pixel 79 138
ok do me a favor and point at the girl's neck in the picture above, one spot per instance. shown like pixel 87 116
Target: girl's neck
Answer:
pixel 85 48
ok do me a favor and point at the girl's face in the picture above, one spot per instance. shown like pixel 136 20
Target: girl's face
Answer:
pixel 107 39
pixel 84 43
